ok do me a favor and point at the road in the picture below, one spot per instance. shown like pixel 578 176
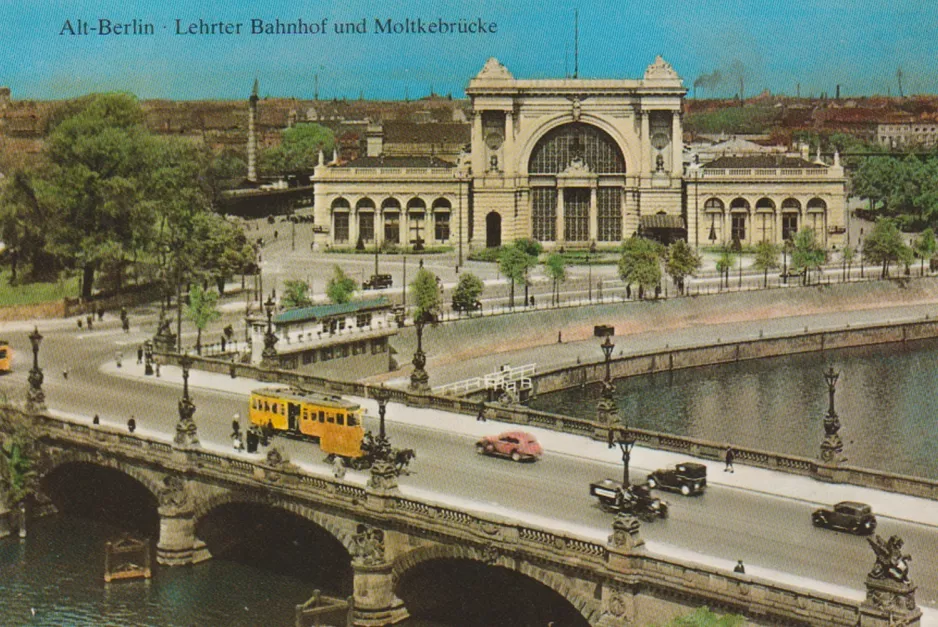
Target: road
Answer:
pixel 726 523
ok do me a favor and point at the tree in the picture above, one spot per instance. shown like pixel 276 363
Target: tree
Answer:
pixel 513 264
pixel 683 261
pixel 766 259
pixel 98 158
pixel 202 310
pixel 295 294
pixel 299 149
pixel 426 296
pixel 340 287
pixel 640 263
pixel 703 617
pixel 23 228
pixel 848 254
pixel 884 245
pixel 467 292
pixel 925 246
pixel 807 253
pixel 724 262
pixel 532 249
pixel 556 269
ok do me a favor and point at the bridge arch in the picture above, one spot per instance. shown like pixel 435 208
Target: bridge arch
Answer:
pixel 589 608
pixel 152 481
pixel 333 525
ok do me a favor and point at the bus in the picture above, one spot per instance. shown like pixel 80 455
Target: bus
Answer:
pixel 332 421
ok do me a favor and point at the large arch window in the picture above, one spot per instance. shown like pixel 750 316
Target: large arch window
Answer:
pixel 416 218
pixel 365 210
pixel 340 220
pixel 790 210
pixel 816 204
pixel 713 204
pixel 441 219
pixel 391 211
pixel 560 146
pixel 609 214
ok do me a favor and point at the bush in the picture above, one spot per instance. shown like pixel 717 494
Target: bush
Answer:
pixel 485 254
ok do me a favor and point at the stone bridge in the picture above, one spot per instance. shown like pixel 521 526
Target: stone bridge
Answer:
pixel 386 535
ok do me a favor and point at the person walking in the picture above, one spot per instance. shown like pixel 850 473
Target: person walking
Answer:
pixel 730 456
pixel 139 355
pixel 481 415
pixel 739 568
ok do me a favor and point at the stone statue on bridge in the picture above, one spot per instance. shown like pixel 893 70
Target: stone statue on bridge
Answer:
pixel 890 593
pixel 891 562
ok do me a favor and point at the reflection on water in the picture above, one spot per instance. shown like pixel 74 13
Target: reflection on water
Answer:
pixel 886 399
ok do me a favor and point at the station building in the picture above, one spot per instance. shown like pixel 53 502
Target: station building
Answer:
pixel 574 163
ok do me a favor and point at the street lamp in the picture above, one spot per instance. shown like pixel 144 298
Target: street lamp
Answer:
pixel 269 357
pixel 384 472
pixel 606 413
pixel 35 397
pixel 589 265
pixel 625 439
pixel 382 395
pixel 832 448
pixel 187 434
pixel 419 378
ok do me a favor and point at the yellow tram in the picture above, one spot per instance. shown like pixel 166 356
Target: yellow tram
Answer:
pixel 6 357
pixel 335 422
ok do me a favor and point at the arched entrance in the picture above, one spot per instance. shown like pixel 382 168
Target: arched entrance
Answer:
pixel 493 230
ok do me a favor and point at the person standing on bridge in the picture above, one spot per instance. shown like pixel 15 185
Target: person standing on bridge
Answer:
pixel 730 456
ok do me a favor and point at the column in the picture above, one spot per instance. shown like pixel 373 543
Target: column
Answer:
pixel 353 226
pixel 645 143
pixel 677 145
pixel 594 215
pixel 177 543
pixel 405 227
pixel 559 234
pixel 623 210
pixel 379 227
pixel 478 144
pixel 777 239
pixel 508 149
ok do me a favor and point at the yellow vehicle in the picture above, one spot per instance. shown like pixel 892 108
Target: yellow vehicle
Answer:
pixel 334 422
pixel 6 357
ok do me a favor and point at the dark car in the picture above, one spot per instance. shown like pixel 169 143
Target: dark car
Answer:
pixel 615 497
pixel 687 478
pixel 846 516
pixel 377 282
pixel 459 306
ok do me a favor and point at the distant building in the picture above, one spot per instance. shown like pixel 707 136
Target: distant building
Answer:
pixel 308 335
pixel 906 134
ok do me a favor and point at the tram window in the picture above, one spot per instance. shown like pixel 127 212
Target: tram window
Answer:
pixel 322 416
pixel 330 418
pixel 305 414
pixel 340 419
pixel 266 406
pixel 352 420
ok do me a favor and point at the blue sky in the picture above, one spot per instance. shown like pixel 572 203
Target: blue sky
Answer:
pixel 774 45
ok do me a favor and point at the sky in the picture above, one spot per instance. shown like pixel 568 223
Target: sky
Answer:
pixel 785 46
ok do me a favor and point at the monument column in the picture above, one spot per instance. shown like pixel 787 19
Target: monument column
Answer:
pixel 677 145
pixel 559 236
pixel 594 215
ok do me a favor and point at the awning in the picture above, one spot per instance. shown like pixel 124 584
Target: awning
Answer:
pixel 661 221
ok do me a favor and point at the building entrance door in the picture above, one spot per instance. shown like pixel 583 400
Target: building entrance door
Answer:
pixel 493 230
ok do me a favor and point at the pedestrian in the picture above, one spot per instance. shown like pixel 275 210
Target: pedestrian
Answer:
pixel 740 568
pixel 131 424
pixel 100 312
pixel 730 455
pixel 125 323
pixel 338 467
pixel 96 420
pixel 119 358
pixel 90 320
pixel 559 337
pixel 157 369
pixel 80 324
pixel 139 355
pixel 65 374
pixel 532 300
pixel 481 415
pixel 628 292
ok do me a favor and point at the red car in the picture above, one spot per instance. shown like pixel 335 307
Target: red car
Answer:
pixel 518 445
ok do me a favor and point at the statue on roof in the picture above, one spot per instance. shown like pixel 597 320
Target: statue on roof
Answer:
pixel 660 70
pixel 494 69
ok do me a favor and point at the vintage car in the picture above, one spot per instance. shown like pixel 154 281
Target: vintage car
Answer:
pixel 846 516
pixel 687 478
pixel 377 282
pixel 459 306
pixel 634 499
pixel 517 445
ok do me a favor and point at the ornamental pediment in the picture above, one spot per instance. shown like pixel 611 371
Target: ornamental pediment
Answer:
pixel 494 70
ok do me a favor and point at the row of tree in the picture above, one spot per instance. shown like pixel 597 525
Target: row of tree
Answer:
pixel 903 189
pixel 108 195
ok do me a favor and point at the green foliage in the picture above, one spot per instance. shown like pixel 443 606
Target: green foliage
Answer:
pixel 202 310
pixel 295 294
pixel 17 477
pixel 925 246
pixel 556 269
pixel 683 261
pixel 23 224
pixel 640 263
pixel 884 245
pixel 340 287
pixel 426 296
pixel 485 254
pixel 467 292
pixel 807 253
pixel 703 617
pixel 905 189
pixel 766 259
pixel 514 262
pixel 298 150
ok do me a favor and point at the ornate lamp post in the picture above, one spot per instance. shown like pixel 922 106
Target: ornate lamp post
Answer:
pixel 269 358
pixel 148 358
pixel 832 448
pixel 187 434
pixel 625 439
pixel 35 397
pixel 606 409
pixel 383 471
pixel 419 379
